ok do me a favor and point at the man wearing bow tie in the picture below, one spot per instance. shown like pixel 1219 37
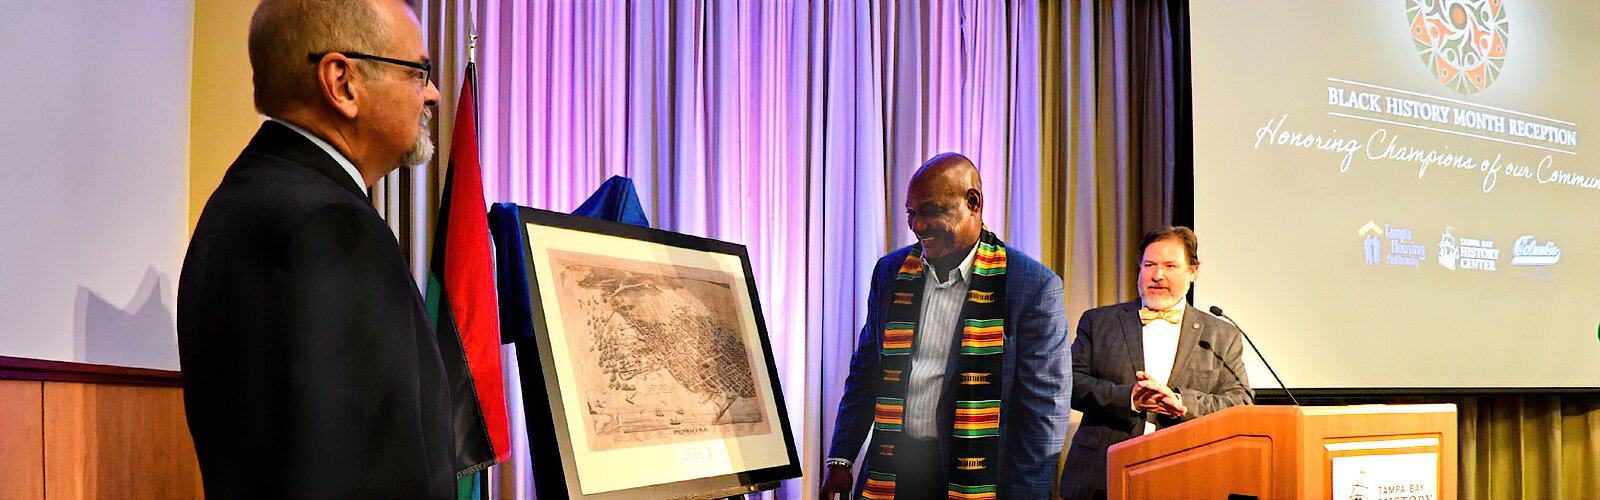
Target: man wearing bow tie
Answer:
pixel 1139 366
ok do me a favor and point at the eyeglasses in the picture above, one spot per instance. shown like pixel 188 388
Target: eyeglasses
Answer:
pixel 424 66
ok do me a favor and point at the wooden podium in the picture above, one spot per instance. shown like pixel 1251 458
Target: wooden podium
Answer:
pixel 1284 452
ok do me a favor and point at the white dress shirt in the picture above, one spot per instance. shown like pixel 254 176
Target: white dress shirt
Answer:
pixel 349 168
pixel 1161 350
pixel 936 329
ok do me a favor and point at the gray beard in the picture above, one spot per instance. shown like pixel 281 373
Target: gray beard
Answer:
pixel 422 150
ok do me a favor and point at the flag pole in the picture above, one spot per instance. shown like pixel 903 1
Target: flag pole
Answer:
pixel 486 477
pixel 472 77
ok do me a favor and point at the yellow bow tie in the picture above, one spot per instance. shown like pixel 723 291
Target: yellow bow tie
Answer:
pixel 1146 315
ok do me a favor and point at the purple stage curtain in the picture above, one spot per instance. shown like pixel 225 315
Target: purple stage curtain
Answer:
pixel 790 127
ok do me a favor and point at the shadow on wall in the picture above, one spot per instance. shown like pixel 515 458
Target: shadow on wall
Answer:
pixel 142 334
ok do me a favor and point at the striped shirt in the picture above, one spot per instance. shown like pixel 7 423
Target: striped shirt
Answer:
pixel 930 357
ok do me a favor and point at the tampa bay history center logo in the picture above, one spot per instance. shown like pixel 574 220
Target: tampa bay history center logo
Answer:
pixel 1463 42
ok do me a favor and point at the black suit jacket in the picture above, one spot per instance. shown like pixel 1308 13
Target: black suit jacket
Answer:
pixel 309 365
pixel 1108 349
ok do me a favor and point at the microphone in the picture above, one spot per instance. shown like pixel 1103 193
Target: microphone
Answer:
pixel 1207 346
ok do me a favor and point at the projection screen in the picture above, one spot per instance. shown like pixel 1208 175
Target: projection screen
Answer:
pixel 1402 193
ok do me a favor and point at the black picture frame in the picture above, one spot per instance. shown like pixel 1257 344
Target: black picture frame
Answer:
pixel 550 435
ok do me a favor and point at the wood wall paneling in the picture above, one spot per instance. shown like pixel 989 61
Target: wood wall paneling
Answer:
pixel 117 441
pixel 21 439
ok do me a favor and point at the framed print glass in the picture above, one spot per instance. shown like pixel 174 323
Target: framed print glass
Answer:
pixel 653 358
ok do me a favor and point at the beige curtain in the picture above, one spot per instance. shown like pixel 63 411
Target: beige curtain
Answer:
pixel 1530 447
pixel 1109 134
pixel 409 197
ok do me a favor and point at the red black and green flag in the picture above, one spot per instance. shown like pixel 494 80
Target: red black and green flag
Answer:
pixel 461 301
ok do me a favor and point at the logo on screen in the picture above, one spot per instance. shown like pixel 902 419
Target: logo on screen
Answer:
pixel 1402 252
pixel 1463 42
pixel 1371 243
pixel 1447 250
pixel 1475 254
pixel 1528 251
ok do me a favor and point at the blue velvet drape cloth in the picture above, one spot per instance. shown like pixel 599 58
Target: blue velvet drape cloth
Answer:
pixel 615 201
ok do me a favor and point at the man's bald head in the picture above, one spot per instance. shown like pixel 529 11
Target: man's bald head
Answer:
pixel 944 208
pixel 351 72
pixel 948 171
pixel 283 32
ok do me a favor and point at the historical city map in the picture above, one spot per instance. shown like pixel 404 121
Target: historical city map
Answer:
pixel 658 351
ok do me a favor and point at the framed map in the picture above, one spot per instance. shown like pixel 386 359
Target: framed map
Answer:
pixel 653 355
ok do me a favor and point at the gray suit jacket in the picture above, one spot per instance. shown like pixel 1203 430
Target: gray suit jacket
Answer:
pixel 1108 349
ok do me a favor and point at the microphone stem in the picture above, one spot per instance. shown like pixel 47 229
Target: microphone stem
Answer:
pixel 1263 360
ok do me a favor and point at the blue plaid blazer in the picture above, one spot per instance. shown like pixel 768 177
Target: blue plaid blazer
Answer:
pixel 1036 376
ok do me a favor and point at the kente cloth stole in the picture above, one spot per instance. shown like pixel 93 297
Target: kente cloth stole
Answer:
pixel 975 438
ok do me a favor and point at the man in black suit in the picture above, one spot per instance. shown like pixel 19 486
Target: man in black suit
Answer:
pixel 309 366
pixel 1139 366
